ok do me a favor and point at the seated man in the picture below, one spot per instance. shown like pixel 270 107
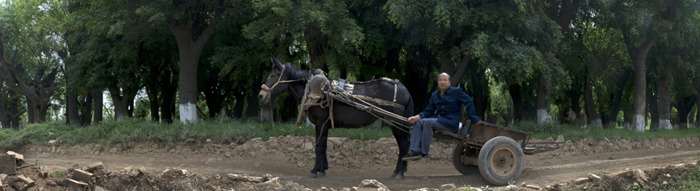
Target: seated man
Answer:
pixel 443 111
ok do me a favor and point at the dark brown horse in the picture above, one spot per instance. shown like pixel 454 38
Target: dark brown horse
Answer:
pixel 285 77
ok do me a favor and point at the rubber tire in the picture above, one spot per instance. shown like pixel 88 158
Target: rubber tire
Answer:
pixel 465 169
pixel 506 151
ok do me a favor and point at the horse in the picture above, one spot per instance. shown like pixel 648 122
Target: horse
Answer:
pixel 286 77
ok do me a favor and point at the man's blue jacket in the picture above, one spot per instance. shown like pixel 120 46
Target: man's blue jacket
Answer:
pixel 448 107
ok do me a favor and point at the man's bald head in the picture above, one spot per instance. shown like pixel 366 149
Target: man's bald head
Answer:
pixel 445 75
pixel 443 81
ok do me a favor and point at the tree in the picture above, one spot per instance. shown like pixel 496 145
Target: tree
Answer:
pixel 641 24
pixel 323 30
pixel 33 68
pixel 561 13
pixel 192 23
pixel 453 34
pixel 10 110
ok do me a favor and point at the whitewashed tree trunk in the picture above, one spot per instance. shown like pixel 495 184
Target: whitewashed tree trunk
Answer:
pixel 543 116
pixel 188 113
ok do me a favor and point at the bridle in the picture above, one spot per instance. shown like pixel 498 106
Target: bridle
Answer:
pixel 268 90
pixel 264 87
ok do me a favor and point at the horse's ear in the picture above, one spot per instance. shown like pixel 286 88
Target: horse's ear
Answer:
pixel 275 63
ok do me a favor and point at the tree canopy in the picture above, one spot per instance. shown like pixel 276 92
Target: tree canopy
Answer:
pixel 607 63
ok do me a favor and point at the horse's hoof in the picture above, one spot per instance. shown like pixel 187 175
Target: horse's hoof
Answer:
pixel 320 174
pixel 312 175
pixel 396 176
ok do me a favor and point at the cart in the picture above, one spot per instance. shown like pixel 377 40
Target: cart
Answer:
pixel 497 152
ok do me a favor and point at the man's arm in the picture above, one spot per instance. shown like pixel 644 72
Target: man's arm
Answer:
pixel 427 112
pixel 429 109
pixel 469 104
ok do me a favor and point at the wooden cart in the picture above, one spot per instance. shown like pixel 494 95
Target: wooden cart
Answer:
pixel 494 151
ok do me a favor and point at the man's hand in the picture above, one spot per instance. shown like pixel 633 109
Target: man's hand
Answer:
pixel 413 119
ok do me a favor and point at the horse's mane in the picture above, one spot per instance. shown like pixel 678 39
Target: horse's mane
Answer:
pixel 296 73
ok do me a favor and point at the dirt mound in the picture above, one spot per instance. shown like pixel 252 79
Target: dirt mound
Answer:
pixel 26 176
pixel 142 166
pixel 342 152
pixel 637 179
pixel 586 147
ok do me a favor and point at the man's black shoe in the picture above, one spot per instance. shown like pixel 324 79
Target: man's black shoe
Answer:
pixel 412 155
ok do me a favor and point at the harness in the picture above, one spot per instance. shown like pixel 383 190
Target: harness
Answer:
pixel 335 90
pixel 268 89
pixel 340 89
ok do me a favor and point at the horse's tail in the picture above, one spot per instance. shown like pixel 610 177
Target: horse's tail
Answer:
pixel 408 112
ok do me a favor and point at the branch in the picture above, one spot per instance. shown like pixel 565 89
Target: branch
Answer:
pixel 461 68
pixel 205 36
pixel 19 113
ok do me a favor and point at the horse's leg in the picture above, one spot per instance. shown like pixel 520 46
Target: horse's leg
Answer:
pixel 403 140
pixel 321 164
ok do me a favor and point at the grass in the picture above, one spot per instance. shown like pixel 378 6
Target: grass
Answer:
pixel 574 133
pixel 125 132
pixel 227 131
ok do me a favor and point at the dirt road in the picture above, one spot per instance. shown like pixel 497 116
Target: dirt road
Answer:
pixel 351 161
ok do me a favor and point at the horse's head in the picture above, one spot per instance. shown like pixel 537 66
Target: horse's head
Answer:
pixel 275 83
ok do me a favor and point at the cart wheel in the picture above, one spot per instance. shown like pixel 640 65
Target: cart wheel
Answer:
pixel 462 167
pixel 500 160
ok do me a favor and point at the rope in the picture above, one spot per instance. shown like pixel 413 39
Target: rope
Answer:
pixel 330 113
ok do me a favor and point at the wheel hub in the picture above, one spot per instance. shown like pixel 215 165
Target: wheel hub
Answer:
pixel 503 161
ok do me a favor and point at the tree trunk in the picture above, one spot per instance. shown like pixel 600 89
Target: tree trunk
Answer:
pixel 691 118
pixel 167 107
pixel 123 104
pixel 543 90
pixel 628 115
pixel 189 49
pixel 153 101
pixel 684 106
pixel 169 85
pixel 456 75
pixel 523 102
pixel 480 87
pixel 238 107
pixel 15 112
pixel 72 116
pixel 87 114
pixel 697 113
pixel 461 68
pixel 591 112
pixel 4 109
pixel 664 103
pixel 30 110
pixel 38 108
pixel 317 45
pixel 653 104
pixel 214 95
pixel 98 103
pixel 417 84
pixel 9 110
pixel 514 91
pixel 617 98
pixel 639 55
pixel 253 109
pixel 575 97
